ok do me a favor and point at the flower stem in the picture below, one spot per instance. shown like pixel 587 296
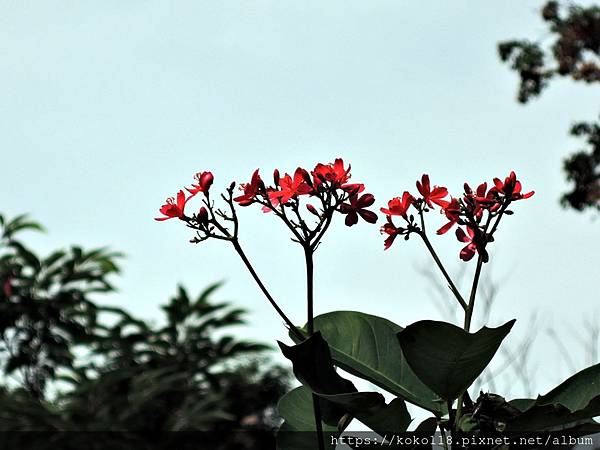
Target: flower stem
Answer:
pixel 308 255
pixel 318 423
pixel 471 305
pixel 435 257
pixel 264 290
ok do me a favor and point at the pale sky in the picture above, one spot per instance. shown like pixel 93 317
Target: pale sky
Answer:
pixel 109 107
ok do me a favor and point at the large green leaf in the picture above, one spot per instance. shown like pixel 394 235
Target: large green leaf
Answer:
pixel 447 358
pixel 370 408
pixel 366 346
pixel 314 368
pixel 576 392
pixel 298 431
pixel 550 418
pixel 572 403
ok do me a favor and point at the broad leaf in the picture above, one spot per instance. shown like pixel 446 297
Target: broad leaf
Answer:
pixel 576 392
pixel 447 358
pixel 366 346
pixel 370 408
pixel 572 403
pixel 313 367
pixel 298 431
pixel 554 418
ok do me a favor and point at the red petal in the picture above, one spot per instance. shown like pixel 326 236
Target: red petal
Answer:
pixel 529 194
pixel 345 208
pixel 467 253
pixel 351 219
pixel 446 227
pixel 517 188
pixel 389 241
pixel 367 215
pixel 181 200
pixel 481 189
pixel 365 200
pixel 461 236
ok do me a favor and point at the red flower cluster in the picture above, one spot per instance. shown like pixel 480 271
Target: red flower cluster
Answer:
pixel 175 208
pixel 479 212
pixel 326 182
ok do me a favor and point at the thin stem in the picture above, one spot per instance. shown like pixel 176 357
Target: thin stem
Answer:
pixel 325 224
pixel 471 305
pixel 264 290
pixel 473 295
pixel 451 417
pixel 435 257
pixel 318 422
pixel 308 255
pixel 444 441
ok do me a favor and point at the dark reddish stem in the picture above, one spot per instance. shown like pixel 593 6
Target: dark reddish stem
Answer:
pixel 264 290
pixel 308 256
pixel 438 262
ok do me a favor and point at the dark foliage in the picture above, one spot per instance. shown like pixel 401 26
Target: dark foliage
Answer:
pixel 67 367
pixel 575 54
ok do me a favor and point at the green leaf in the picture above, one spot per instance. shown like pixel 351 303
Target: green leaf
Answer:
pixel 429 425
pixel 572 403
pixel 366 346
pixel 554 418
pixel 296 408
pixel 576 392
pixel 313 367
pixel 370 408
pixel 298 431
pixel 522 404
pixel 447 358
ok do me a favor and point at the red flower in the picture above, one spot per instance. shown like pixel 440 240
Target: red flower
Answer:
pixel 251 190
pixel 390 229
pixel 172 209
pixel 291 187
pixel 469 250
pixel 511 187
pixel 356 208
pixel 452 213
pixel 432 196
pixel 334 173
pixel 205 180
pixel 476 202
pixel 353 188
pixel 398 206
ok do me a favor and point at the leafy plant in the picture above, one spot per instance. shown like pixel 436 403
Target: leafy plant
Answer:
pixel 45 306
pixel 71 364
pixel 429 364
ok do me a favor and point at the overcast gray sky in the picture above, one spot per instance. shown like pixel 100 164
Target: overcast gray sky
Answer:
pixel 109 107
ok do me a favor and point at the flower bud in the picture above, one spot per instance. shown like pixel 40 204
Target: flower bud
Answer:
pixel 203 217
pixel 276 177
pixel 313 210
